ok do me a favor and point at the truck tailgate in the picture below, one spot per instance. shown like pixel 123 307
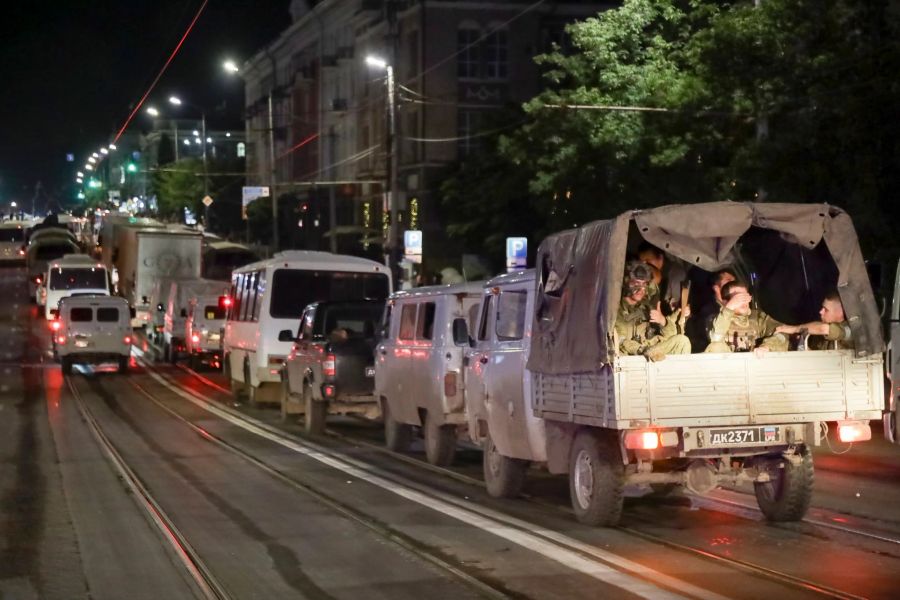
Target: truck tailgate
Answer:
pixel 718 389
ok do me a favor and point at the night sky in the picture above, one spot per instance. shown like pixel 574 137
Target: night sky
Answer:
pixel 73 69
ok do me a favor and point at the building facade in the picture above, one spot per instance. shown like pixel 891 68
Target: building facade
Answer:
pixel 455 63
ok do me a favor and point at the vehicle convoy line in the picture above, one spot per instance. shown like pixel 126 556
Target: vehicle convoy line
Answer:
pixel 602 565
pixel 771 574
pixel 200 574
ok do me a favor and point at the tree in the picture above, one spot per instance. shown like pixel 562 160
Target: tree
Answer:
pixel 179 185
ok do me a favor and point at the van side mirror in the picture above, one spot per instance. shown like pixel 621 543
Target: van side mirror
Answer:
pixel 460 332
pixel 285 335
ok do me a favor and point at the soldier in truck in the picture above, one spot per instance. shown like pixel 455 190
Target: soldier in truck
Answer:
pixel 642 329
pixel 740 328
pixel 833 327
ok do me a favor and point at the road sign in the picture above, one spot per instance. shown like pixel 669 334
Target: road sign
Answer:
pixel 412 243
pixel 516 252
pixel 207 201
pixel 251 193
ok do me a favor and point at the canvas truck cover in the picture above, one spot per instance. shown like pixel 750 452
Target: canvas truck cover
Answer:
pixel 580 271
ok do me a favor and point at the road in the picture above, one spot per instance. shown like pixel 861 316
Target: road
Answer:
pixel 158 484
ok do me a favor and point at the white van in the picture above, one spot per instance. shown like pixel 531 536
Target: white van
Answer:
pixel 178 303
pixel 498 386
pixel 93 329
pixel 203 330
pixel 267 299
pixel 40 253
pixel 419 367
pixel 12 241
pixel 73 274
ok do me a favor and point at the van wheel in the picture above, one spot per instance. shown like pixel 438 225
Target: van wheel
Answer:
pixel 316 413
pixel 397 436
pixel 166 351
pixel 786 497
pixel 284 397
pixel 123 364
pixel 503 476
pixel 237 388
pixel 596 480
pixel 66 365
pixel 440 441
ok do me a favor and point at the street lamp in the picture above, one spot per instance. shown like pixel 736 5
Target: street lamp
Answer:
pixel 231 68
pixel 154 112
pixel 392 244
pixel 178 102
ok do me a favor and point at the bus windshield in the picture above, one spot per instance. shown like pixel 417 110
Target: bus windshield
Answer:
pixel 293 289
pixel 78 279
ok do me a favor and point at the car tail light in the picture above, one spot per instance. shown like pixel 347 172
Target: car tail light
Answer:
pixel 195 338
pixel 643 439
pixel 21 252
pixel 37 280
pixel 55 325
pixel 329 391
pixel 329 366
pixel 127 339
pixel 854 431
pixel 450 384
pixel 61 340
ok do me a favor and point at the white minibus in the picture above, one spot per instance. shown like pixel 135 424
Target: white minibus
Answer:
pixel 73 274
pixel 267 298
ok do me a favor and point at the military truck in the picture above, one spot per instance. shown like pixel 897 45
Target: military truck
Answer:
pixel 697 420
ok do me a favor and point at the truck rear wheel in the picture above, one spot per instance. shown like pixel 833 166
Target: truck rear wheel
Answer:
pixel 397 436
pixel 316 413
pixel 440 441
pixel 503 476
pixel 596 479
pixel 787 496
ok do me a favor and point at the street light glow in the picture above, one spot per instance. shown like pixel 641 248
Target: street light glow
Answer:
pixel 91 159
pixel 230 66
pixel 209 140
pixel 112 147
pixel 79 180
pixel 95 155
pixel 79 174
pixel 374 61
pixel 175 100
pixel 89 167
pixel 187 142
pixel 152 111
pixel 104 151
pixel 196 133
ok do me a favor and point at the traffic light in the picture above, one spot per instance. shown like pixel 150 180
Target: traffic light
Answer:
pixel 131 167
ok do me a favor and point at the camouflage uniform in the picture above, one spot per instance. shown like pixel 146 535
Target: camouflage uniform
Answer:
pixel 637 335
pixel 839 337
pixel 730 332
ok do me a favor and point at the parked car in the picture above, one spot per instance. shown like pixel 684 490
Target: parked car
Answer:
pixel 330 368
pixel 93 329
pixel 419 367
pixel 268 299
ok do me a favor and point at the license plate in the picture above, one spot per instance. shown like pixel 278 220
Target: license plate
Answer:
pixel 370 371
pixel 81 344
pixel 743 435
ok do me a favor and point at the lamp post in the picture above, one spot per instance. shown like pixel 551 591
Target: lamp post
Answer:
pixel 392 243
pixel 153 112
pixel 178 102
pixel 231 68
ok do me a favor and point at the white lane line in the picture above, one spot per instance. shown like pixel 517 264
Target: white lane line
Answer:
pixel 542 541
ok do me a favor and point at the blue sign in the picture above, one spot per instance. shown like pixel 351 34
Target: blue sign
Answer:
pixel 412 242
pixel 70 157
pixel 516 252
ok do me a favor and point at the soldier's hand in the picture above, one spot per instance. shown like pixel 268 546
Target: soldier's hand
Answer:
pixel 686 311
pixel 656 315
pixel 789 329
pixel 760 352
pixel 655 354
pixel 738 300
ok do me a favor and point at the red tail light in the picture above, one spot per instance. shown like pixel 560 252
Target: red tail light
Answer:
pixel 55 325
pixel 854 431
pixel 224 302
pixel 642 440
pixel 37 280
pixel 127 339
pixel 61 340
pixel 328 391
pixel 21 252
pixel 329 366
pixel 195 338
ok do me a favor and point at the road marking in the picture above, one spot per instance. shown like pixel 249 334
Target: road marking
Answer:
pixel 539 540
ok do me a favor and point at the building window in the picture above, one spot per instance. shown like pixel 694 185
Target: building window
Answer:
pixel 496 55
pixel 468 59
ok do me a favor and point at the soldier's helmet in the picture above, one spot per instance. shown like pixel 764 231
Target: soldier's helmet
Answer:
pixel 638 275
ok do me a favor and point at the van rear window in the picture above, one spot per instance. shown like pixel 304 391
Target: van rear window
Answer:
pixel 81 315
pixel 108 315
pixel 294 289
pixel 78 279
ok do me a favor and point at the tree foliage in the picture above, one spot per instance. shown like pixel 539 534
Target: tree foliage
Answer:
pixel 678 101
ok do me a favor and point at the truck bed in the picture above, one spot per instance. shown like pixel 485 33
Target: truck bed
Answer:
pixel 716 389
